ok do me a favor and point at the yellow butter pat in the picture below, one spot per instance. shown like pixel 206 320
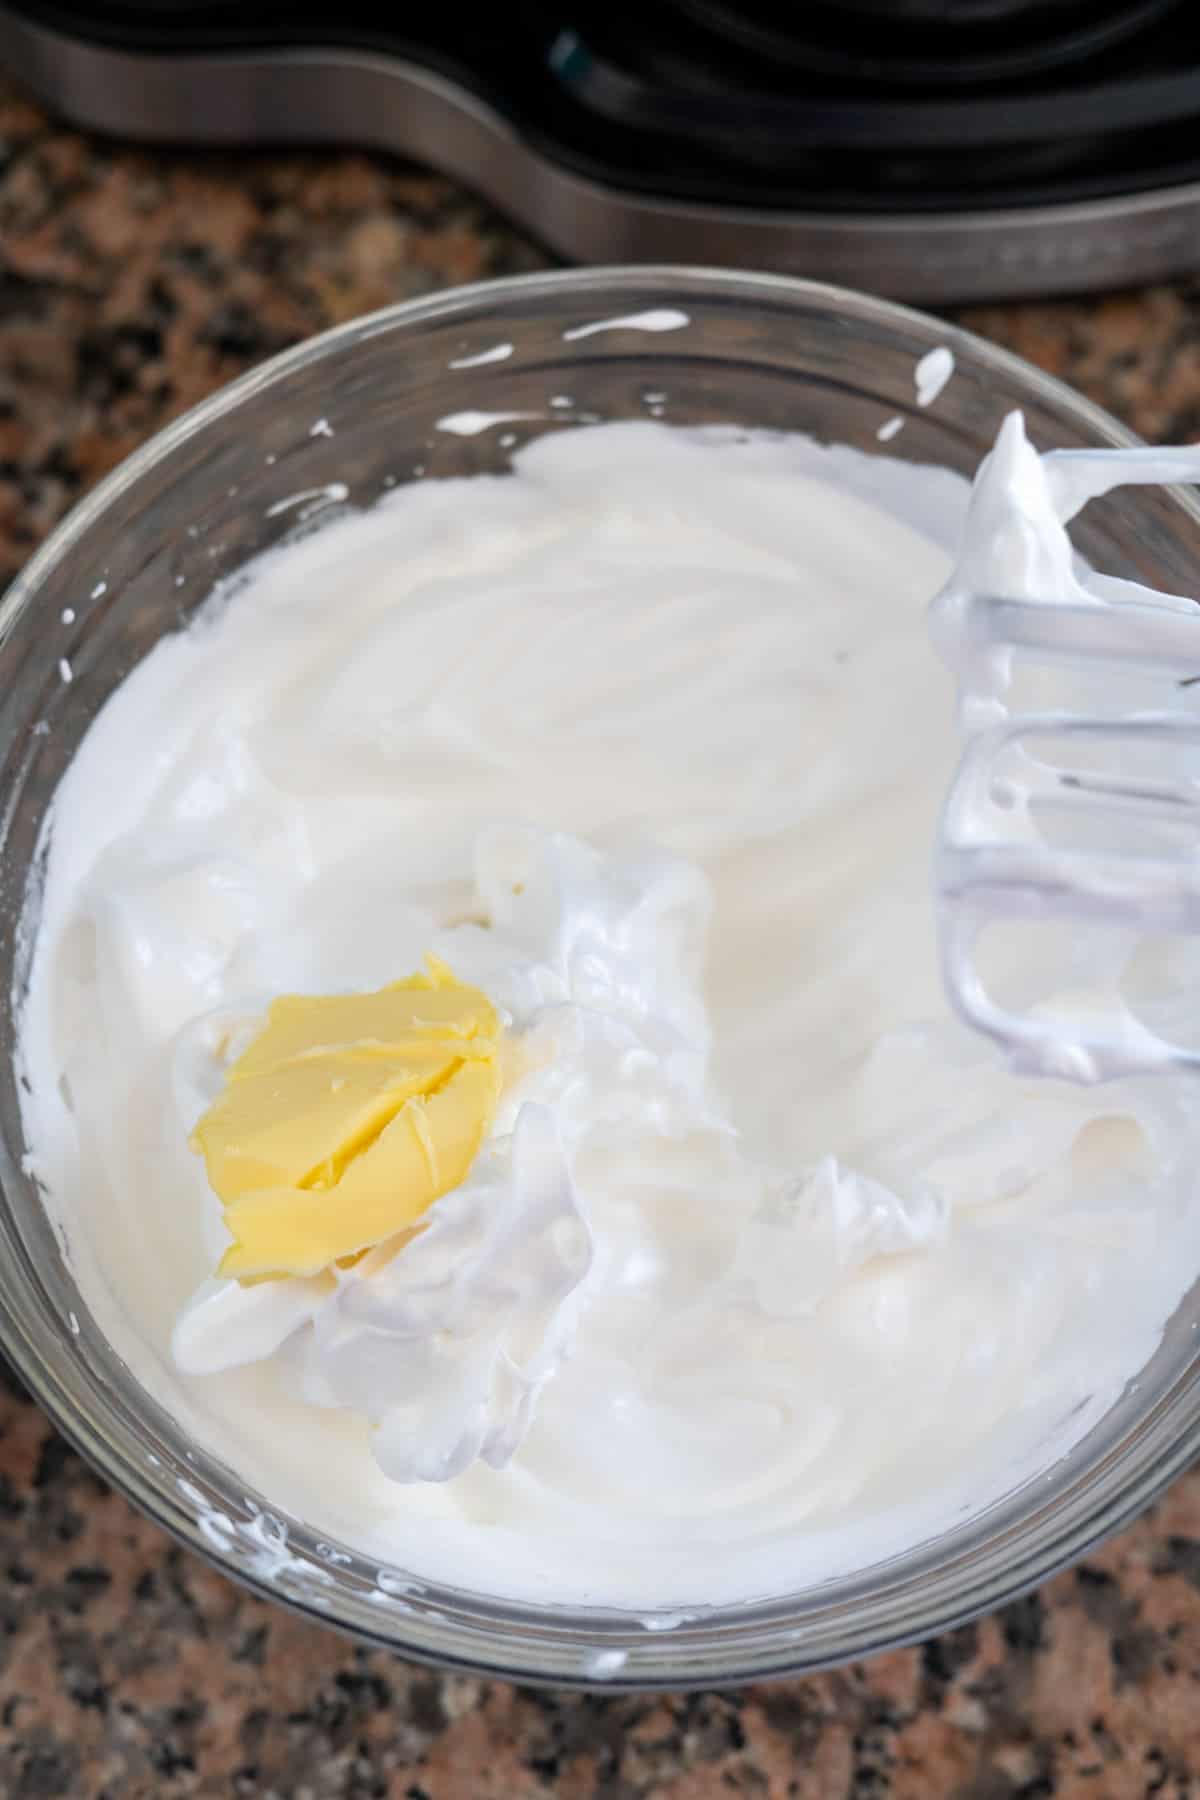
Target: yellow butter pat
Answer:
pixel 347 1117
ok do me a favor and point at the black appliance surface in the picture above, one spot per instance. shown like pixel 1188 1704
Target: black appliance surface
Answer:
pixel 927 149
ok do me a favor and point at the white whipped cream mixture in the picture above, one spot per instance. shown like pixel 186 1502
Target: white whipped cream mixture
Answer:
pixel 770 1268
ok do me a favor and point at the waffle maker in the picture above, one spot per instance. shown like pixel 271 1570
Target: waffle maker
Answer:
pixel 932 150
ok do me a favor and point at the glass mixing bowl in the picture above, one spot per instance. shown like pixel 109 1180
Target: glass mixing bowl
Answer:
pixel 136 558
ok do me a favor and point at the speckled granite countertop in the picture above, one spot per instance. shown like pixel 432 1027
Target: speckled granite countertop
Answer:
pixel 130 286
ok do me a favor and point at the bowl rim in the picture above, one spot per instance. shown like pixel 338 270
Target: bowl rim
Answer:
pixel 446 303
pixel 766 1646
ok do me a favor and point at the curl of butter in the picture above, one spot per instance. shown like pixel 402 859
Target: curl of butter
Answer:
pixel 346 1118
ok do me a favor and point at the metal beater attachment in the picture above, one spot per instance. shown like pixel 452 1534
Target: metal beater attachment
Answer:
pixel 1063 815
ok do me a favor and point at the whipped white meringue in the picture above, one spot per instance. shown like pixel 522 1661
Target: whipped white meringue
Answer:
pixel 770 1268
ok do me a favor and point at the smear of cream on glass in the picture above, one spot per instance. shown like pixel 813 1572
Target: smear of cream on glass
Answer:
pixel 932 373
pixel 496 353
pixel 661 318
pixel 470 424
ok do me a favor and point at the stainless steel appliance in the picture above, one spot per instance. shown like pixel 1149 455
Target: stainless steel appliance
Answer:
pixel 928 149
